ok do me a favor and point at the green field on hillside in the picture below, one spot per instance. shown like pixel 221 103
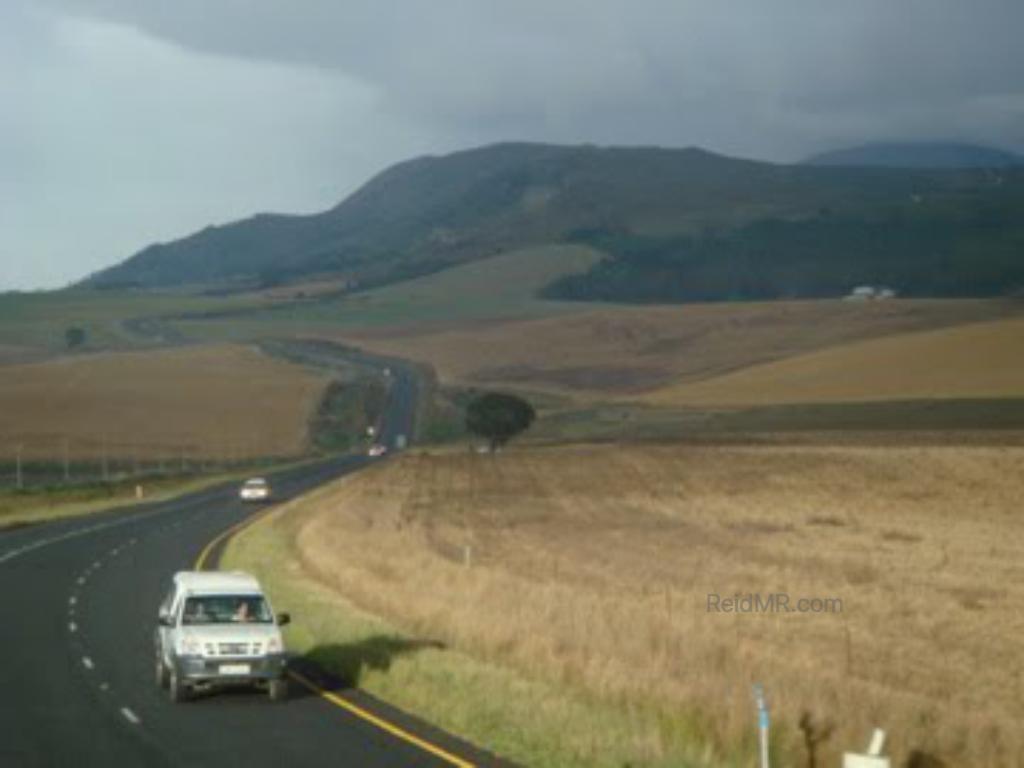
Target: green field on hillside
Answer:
pixel 38 321
pixel 503 286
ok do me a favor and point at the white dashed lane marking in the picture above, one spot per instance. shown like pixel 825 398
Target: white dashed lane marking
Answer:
pixel 19 551
pixel 87 662
pixel 130 716
pixel 72 627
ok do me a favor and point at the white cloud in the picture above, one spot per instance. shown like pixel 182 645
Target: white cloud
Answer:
pixel 112 139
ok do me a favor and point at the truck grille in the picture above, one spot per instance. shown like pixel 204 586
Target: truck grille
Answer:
pixel 233 649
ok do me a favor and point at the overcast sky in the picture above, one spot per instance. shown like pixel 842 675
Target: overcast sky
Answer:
pixel 124 122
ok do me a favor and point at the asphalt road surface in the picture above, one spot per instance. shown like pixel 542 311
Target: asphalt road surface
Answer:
pixel 78 603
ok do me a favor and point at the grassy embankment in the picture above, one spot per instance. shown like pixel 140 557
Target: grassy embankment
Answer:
pixel 578 634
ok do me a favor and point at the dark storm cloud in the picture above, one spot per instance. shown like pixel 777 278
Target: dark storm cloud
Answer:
pixel 798 74
pixel 166 116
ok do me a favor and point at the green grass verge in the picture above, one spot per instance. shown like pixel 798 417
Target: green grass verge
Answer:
pixel 529 720
pixel 41 505
pixel 997 418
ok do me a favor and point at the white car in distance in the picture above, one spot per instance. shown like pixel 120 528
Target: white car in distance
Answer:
pixel 254 489
pixel 217 629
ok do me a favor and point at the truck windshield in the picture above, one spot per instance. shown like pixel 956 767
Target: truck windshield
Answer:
pixel 226 609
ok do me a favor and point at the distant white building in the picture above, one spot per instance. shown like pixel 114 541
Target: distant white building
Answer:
pixel 861 293
pixel 870 293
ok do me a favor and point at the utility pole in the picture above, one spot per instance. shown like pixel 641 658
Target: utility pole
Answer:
pixel 106 468
pixel 18 469
pixel 67 461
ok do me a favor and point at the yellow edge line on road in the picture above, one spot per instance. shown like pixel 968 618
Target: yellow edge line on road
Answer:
pixel 334 699
pixel 201 560
pixel 384 725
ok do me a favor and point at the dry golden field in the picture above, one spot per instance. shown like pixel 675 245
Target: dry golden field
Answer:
pixel 619 350
pixel 212 401
pixel 979 360
pixel 592 567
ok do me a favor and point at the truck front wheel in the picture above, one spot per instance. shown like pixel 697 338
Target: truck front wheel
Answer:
pixel 278 689
pixel 163 678
pixel 176 688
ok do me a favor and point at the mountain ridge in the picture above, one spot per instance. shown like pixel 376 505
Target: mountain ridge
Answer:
pixel 431 212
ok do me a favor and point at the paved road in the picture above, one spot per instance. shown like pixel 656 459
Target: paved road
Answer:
pixel 77 612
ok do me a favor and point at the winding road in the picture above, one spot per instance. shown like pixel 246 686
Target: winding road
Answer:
pixel 78 605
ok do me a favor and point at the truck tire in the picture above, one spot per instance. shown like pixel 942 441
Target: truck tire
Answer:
pixel 278 689
pixel 176 688
pixel 163 677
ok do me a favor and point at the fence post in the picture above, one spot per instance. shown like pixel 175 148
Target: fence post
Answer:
pixel 17 470
pixel 67 461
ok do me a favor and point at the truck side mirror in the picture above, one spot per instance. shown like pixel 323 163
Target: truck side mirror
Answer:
pixel 283 618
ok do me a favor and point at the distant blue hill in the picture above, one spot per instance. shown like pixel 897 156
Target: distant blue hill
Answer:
pixel 919 155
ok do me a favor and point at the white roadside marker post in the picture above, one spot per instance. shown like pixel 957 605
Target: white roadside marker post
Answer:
pixel 762 723
pixel 873 758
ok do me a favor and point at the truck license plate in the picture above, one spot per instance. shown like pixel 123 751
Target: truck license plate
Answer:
pixel 234 669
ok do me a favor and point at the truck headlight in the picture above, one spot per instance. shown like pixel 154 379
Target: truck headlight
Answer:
pixel 274 645
pixel 190 646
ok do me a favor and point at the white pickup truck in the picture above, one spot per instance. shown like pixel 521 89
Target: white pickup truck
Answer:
pixel 217 629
